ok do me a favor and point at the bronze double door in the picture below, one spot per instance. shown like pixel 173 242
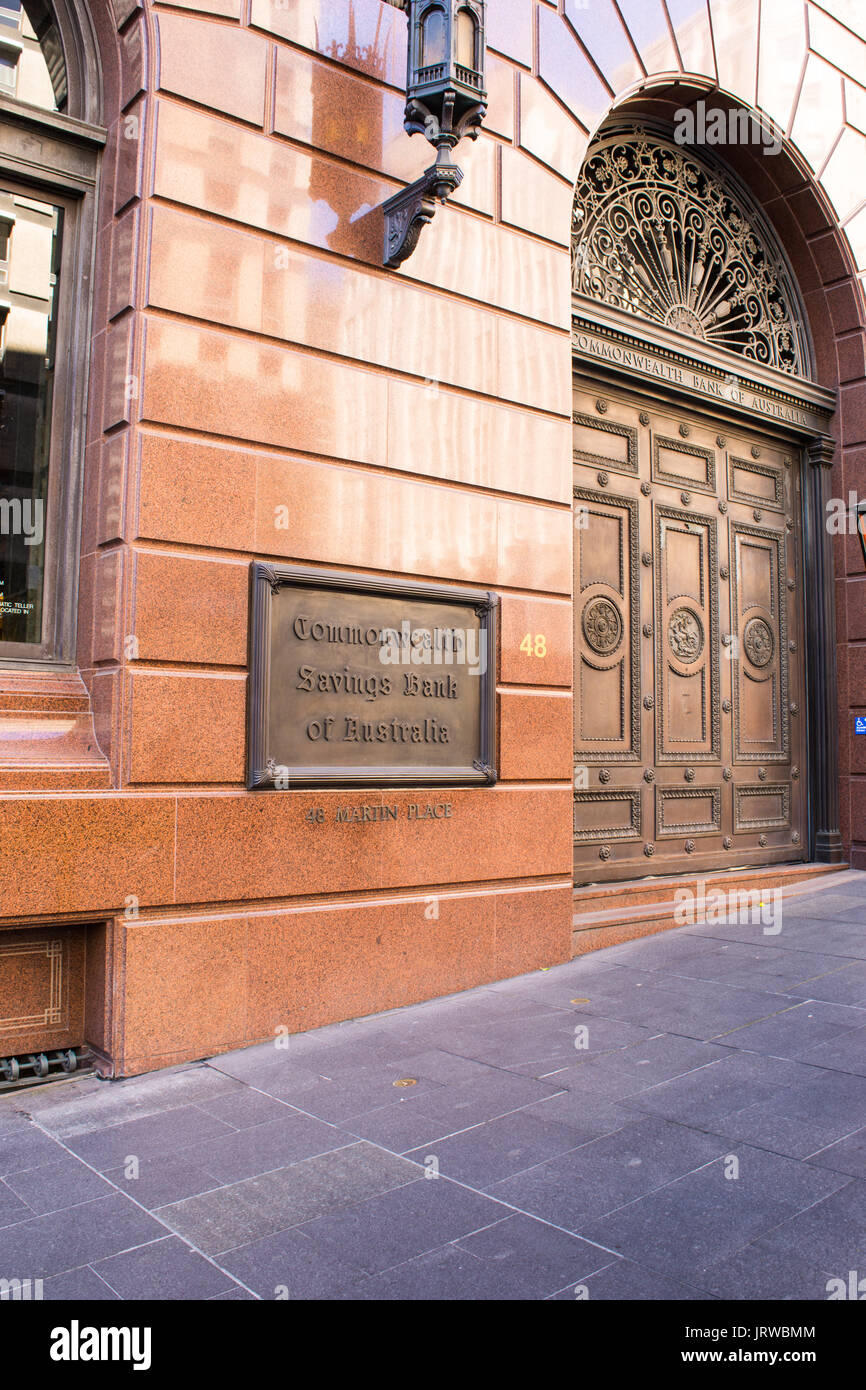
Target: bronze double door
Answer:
pixel 689 709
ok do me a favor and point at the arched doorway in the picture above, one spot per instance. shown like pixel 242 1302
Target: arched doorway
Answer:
pixel 694 415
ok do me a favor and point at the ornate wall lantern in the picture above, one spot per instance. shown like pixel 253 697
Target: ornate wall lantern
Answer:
pixel 445 100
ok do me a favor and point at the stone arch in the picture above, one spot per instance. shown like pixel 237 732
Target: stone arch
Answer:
pixel 760 55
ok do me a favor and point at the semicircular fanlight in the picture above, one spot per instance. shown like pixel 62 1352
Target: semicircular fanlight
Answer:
pixel 662 235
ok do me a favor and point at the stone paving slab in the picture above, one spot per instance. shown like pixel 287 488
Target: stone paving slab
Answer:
pixel 228 1217
pixel 681 1117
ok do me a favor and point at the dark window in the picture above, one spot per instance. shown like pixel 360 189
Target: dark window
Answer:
pixel 467 40
pixel 28 340
pixel 432 38
pixel 46 235
pixel 8 69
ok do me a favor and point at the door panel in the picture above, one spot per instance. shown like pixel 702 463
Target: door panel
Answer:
pixel 687 465
pixel 605 443
pixel 607 614
pixel 688 811
pixel 686 622
pixel 688 737
pixel 761 713
pixel 756 484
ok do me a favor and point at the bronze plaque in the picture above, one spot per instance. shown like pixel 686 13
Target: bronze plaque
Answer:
pixel 358 681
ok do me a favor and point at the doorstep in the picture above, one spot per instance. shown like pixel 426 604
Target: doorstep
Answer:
pixel 609 913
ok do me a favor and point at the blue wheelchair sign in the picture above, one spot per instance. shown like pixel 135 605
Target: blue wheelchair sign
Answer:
pixel 860 724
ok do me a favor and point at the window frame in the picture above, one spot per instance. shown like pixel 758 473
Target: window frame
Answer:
pixel 8 48
pixel 56 156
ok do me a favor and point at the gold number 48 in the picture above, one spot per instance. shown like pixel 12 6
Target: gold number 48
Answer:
pixel 536 646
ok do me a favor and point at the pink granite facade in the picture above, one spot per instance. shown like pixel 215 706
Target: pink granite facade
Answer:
pixel 261 388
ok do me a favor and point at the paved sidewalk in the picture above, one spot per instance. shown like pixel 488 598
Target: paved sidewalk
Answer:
pixel 682 1117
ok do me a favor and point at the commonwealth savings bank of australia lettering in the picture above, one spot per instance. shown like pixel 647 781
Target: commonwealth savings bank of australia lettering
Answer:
pixel 421 647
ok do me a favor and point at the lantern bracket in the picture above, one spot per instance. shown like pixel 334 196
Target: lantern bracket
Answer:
pixel 409 211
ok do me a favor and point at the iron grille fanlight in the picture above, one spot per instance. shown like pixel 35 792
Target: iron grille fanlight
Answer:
pixel 669 237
